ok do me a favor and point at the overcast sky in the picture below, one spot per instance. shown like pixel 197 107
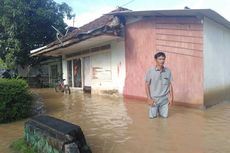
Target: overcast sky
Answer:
pixel 87 10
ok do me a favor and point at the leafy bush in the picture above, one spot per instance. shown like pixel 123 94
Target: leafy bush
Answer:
pixel 20 146
pixel 15 100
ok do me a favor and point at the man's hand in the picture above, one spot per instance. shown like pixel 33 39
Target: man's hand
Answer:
pixel 171 102
pixel 150 102
pixel 171 99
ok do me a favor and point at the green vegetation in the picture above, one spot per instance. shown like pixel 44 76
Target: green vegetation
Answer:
pixel 2 64
pixel 39 141
pixel 26 25
pixel 15 100
pixel 20 146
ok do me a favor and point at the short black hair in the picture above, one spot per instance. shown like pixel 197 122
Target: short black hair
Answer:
pixel 159 54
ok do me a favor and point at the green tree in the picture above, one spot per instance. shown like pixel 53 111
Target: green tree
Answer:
pixel 26 25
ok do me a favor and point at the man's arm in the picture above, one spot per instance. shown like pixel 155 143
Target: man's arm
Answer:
pixel 147 90
pixel 147 87
pixel 171 96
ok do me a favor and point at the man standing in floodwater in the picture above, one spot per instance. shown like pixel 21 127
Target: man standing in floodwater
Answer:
pixel 158 87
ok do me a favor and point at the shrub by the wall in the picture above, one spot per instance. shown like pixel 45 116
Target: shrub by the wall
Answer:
pixel 15 100
pixel 20 146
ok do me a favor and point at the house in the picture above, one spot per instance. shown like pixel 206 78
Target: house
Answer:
pixel 112 53
pixel 44 74
pixel 94 58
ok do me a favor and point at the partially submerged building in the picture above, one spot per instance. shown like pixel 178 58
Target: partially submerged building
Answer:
pixel 112 53
pixel 43 74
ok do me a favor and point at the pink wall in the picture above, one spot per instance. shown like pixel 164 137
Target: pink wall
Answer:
pixel 181 40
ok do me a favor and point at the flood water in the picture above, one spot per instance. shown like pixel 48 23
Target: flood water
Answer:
pixel 114 125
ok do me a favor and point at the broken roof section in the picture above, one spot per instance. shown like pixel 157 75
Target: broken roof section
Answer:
pixel 104 25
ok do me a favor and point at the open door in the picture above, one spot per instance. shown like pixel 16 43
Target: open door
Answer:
pixel 53 73
pixel 87 74
pixel 77 73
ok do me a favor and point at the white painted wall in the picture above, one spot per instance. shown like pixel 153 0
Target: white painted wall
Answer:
pixel 87 74
pixel 216 55
pixel 64 70
pixel 101 71
pixel 115 60
pixel 118 64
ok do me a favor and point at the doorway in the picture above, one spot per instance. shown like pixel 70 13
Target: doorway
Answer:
pixel 87 74
pixel 77 79
pixel 53 73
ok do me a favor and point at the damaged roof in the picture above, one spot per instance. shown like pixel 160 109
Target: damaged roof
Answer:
pixel 106 24
pixel 91 26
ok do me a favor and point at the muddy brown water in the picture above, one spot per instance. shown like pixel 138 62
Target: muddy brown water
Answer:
pixel 114 125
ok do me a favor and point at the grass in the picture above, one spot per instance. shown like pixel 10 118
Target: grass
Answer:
pixel 20 146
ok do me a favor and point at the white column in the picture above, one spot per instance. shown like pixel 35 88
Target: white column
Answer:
pixel 64 69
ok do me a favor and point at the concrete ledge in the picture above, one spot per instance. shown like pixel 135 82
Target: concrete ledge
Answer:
pixel 50 135
pixel 103 92
pixel 197 106
pixel 217 95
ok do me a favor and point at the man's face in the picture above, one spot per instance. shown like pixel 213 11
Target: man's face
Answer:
pixel 160 61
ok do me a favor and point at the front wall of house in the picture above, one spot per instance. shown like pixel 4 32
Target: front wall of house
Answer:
pixel 216 62
pixel 181 40
pixel 111 69
pixel 118 64
pixel 106 73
